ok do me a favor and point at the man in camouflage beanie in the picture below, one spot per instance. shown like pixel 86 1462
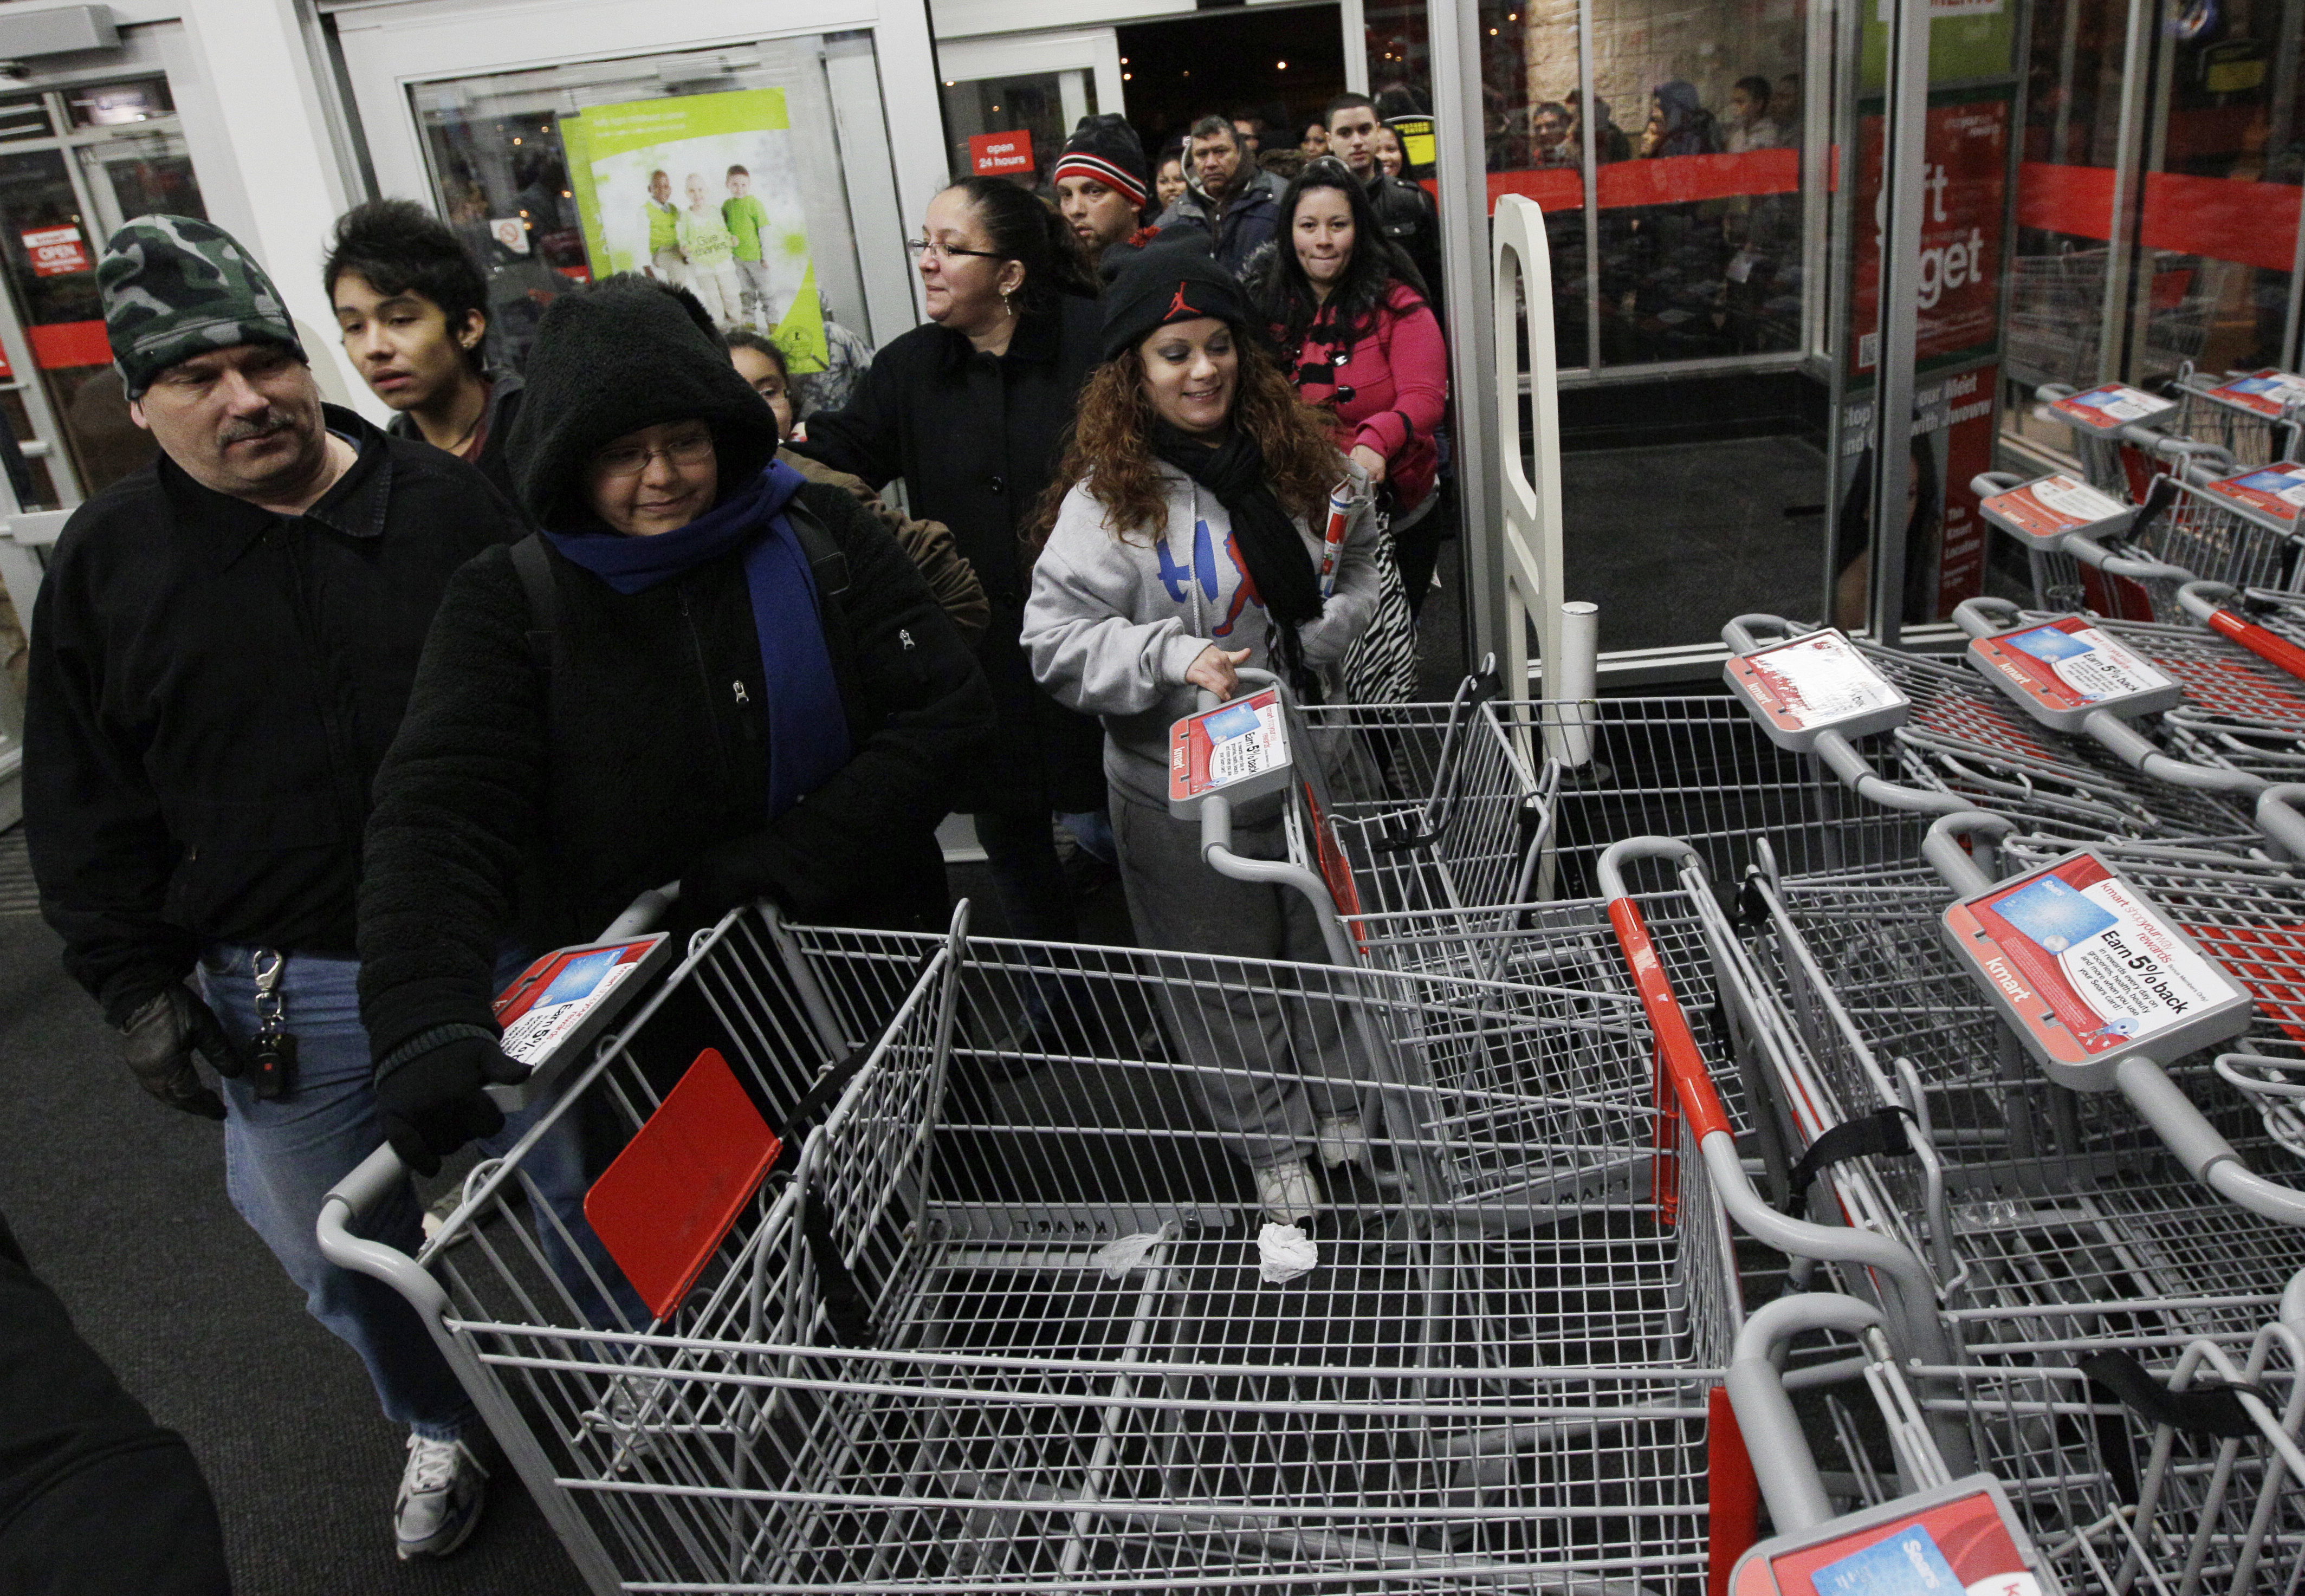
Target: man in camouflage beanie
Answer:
pixel 222 650
pixel 174 286
pixel 212 365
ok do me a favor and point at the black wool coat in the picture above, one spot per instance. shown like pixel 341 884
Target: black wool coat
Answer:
pixel 532 804
pixel 976 439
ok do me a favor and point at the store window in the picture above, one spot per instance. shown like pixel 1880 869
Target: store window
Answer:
pixel 74 165
pixel 2201 271
pixel 1016 124
pixel 718 170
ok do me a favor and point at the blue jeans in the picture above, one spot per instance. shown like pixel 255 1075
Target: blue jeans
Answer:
pixel 281 1157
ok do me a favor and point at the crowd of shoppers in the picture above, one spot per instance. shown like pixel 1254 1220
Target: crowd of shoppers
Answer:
pixel 332 729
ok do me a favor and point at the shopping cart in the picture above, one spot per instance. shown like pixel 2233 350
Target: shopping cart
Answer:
pixel 2100 1473
pixel 1002 1321
pixel 1954 743
pixel 2200 521
pixel 2255 416
pixel 2044 1215
pixel 2056 306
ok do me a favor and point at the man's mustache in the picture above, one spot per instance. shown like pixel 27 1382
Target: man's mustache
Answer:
pixel 263 426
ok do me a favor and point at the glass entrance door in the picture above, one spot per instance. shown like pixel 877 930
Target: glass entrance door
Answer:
pixel 1712 175
pixel 1009 103
pixel 75 163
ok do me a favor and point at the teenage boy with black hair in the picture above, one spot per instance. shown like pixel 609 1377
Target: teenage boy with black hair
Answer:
pixel 1405 210
pixel 411 307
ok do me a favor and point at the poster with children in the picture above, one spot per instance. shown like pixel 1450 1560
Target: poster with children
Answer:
pixel 700 191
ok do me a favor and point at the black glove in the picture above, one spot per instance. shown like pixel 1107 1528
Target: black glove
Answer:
pixel 722 878
pixel 159 1040
pixel 431 1102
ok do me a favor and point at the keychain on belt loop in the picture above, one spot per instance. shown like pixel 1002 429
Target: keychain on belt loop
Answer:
pixel 272 1061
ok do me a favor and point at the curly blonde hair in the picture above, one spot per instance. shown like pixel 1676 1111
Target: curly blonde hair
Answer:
pixel 1110 446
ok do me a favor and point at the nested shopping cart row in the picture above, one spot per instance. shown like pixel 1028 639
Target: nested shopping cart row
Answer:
pixel 1004 1318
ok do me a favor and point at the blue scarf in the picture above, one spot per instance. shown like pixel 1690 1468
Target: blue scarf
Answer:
pixel 808 734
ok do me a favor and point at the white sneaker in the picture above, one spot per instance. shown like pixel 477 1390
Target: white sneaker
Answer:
pixel 442 1490
pixel 638 1405
pixel 1287 1192
pixel 1342 1140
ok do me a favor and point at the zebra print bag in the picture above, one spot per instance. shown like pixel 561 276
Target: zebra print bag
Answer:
pixel 1381 668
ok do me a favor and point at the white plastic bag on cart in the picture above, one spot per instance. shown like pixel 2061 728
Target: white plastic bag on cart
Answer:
pixel 1283 1252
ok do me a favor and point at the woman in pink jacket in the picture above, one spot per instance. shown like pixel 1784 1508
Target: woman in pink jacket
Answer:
pixel 1350 313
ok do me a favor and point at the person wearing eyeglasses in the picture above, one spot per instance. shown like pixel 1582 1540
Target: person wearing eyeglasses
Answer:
pixel 701 669
pixel 971 410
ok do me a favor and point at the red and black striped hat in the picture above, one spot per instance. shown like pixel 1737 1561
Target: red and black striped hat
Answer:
pixel 1106 148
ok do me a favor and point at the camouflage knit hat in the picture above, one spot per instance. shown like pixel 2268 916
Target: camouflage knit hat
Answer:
pixel 175 287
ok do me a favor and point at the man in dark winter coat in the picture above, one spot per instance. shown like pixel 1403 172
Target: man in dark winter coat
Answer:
pixel 697 642
pixel 1227 198
pixel 221 652
pixel 1405 211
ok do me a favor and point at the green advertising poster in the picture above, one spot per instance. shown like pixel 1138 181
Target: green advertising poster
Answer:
pixel 1969 40
pixel 700 191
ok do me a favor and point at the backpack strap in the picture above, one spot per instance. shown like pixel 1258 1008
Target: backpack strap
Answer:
pixel 827 562
pixel 534 570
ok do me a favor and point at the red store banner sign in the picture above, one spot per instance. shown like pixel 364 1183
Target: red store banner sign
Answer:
pixel 1966 191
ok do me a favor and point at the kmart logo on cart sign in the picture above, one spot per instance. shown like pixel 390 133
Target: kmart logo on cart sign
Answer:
pixel 2006 979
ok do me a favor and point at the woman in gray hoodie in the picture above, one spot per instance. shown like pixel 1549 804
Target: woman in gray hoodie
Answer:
pixel 1187 546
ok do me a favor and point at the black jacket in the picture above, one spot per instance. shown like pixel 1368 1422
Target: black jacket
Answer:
pixel 539 801
pixel 94 1496
pixel 212 689
pixel 495 430
pixel 1411 222
pixel 977 440
pixel 1243 225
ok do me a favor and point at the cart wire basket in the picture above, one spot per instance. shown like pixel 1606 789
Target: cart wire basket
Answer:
pixel 1004 1321
pixel 2047 1219
pixel 2179 1471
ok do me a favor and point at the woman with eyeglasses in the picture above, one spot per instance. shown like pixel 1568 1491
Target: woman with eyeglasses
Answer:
pixel 701 669
pixel 971 410
pixel 1350 313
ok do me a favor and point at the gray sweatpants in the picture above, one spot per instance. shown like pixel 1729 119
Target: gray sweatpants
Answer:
pixel 1268 1064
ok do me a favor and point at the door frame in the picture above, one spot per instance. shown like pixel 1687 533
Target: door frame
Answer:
pixel 1073 49
pixel 384 49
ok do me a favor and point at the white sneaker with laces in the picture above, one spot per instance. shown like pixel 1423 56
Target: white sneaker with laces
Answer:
pixel 1287 1192
pixel 442 1490
pixel 1342 1140
pixel 638 1405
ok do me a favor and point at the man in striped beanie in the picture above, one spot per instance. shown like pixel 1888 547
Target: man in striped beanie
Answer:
pixel 1103 182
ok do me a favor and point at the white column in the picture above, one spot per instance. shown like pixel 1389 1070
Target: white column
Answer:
pixel 265 121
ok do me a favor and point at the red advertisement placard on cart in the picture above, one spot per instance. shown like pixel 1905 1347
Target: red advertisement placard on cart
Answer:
pixel 2086 969
pixel 2266 393
pixel 2275 494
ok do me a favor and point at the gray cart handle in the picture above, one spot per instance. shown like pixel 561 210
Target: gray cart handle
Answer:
pixel 350 1199
pixel 1782 1458
pixel 1748 632
pixel 1983 617
pixel 1216 842
pixel 1905 1282
pixel 2196 1143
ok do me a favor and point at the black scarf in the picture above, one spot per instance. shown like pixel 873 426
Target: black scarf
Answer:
pixel 1270 547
